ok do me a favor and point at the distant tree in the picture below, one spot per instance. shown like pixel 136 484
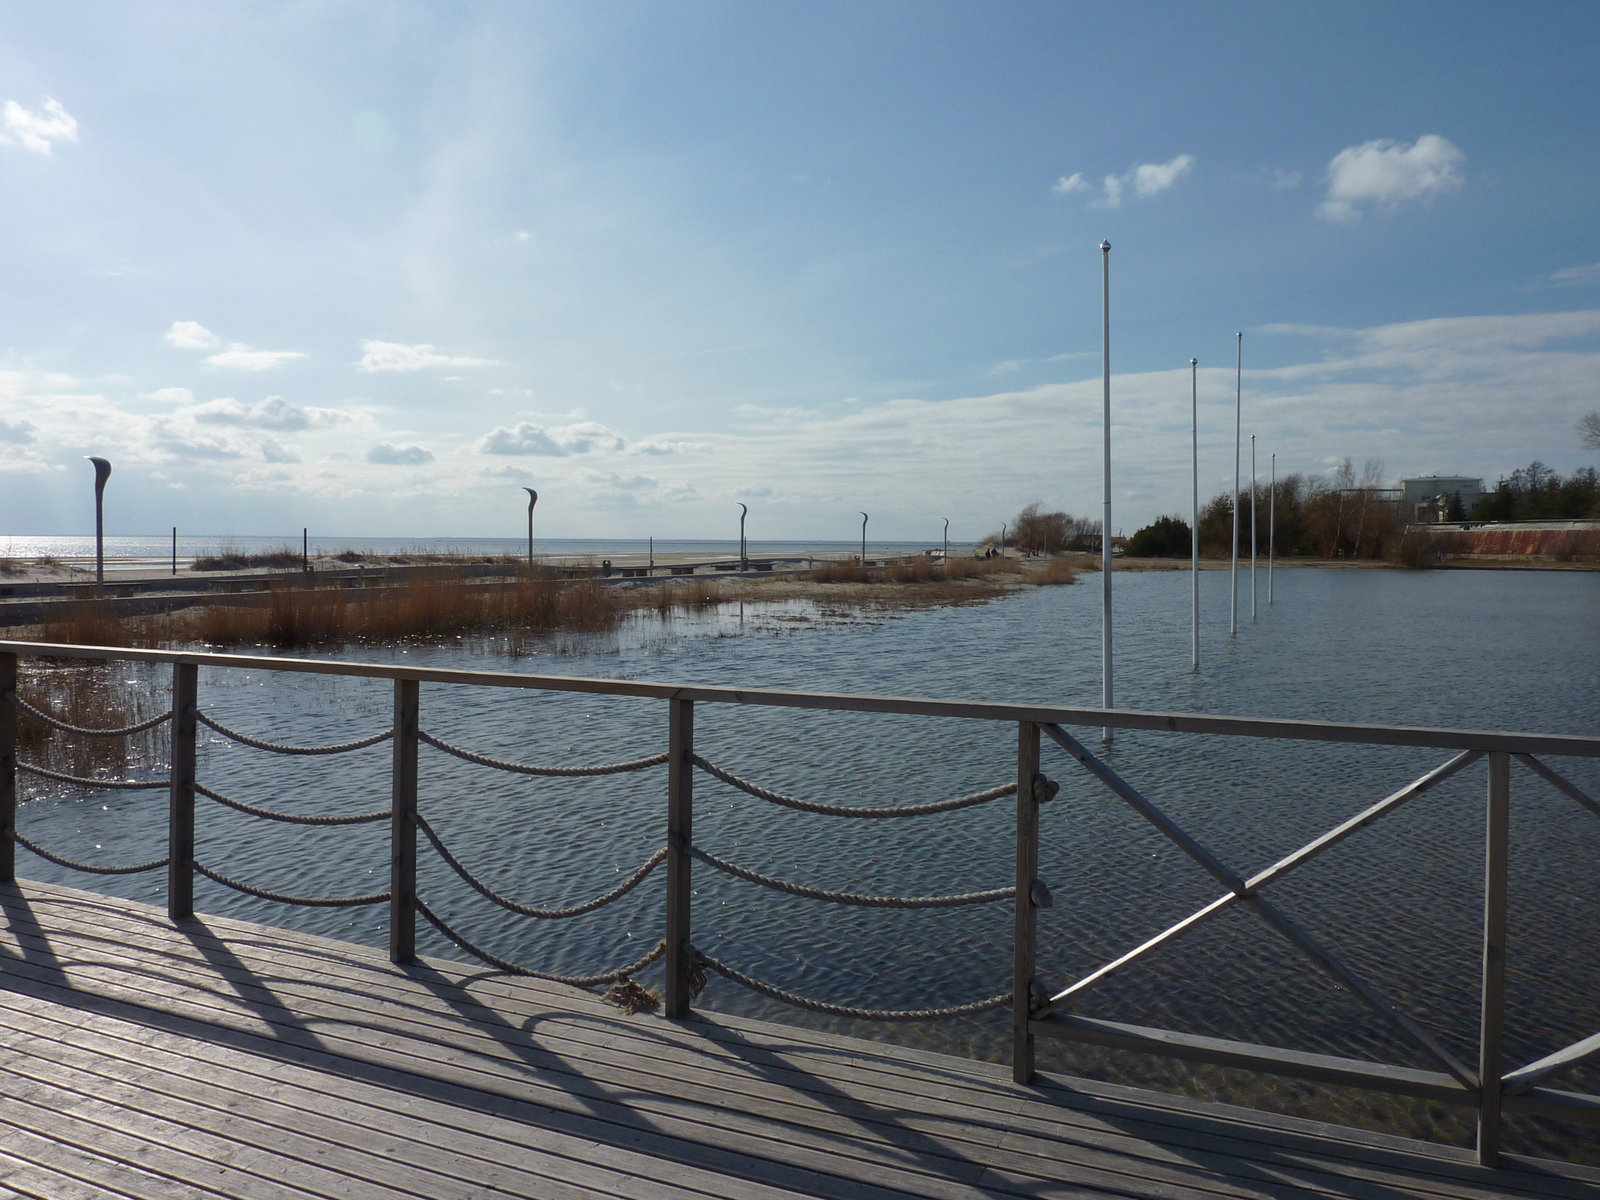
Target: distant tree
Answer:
pixel 1589 429
pixel 1453 510
pixel 1165 537
pixel 1536 493
pixel 1037 532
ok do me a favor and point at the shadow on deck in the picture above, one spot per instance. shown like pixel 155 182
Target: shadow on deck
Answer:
pixel 217 1057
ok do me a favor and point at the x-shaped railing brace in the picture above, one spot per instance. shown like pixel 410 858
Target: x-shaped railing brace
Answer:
pixel 1246 890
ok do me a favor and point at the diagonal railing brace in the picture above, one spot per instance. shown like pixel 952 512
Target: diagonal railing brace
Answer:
pixel 1270 875
pixel 1265 908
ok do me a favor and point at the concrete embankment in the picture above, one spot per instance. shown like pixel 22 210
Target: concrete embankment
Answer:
pixel 1531 542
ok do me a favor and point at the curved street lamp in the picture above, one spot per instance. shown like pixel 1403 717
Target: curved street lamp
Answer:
pixel 947 540
pixel 744 559
pixel 863 538
pixel 102 472
pixel 533 498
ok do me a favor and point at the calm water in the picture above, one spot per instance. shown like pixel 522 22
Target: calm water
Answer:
pixel 1399 902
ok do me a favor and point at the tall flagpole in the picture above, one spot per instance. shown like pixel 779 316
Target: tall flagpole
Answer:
pixel 1194 521
pixel 1272 524
pixel 1238 409
pixel 1252 527
pixel 1105 531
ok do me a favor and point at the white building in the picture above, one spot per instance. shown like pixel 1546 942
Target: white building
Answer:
pixel 1425 490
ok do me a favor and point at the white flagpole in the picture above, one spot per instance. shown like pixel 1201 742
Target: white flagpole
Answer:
pixel 1105 532
pixel 1252 527
pixel 1233 570
pixel 1272 525
pixel 1194 520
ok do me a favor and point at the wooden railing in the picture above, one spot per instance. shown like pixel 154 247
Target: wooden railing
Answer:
pixel 1036 1011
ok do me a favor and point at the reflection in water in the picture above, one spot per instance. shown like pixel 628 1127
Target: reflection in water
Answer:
pixel 1399 902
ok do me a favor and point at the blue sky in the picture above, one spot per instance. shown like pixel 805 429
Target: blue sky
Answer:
pixel 373 267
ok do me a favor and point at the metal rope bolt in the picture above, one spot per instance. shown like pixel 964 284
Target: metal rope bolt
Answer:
pixel 1044 788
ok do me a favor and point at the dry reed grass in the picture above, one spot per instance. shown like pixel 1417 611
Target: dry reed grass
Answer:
pixel 95 623
pixel 89 693
pixel 429 606
pixel 691 593
pixel 914 571
pixel 1056 572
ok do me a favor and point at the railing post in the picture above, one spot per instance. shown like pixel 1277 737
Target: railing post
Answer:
pixel 8 769
pixel 1491 1028
pixel 1025 938
pixel 180 805
pixel 680 836
pixel 403 824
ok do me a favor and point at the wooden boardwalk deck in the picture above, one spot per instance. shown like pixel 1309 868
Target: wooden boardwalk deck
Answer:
pixel 219 1058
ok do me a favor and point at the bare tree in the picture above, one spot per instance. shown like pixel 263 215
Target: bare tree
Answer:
pixel 1589 429
pixel 1371 481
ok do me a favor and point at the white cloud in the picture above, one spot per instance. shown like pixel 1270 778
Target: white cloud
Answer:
pixel 36 129
pixel 1151 179
pixel 240 357
pixel 555 441
pixel 191 335
pixel 272 413
pixel 1068 184
pixel 1283 180
pixel 1386 172
pixel 399 456
pixel 1576 276
pixel 395 356
pixel 170 395
pixel 1146 179
pixel 15 433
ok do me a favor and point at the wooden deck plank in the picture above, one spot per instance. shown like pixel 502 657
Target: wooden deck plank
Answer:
pixel 706 1143
pixel 256 1049
pixel 1286 1173
pixel 961 1141
pixel 304 1101
pixel 1093 1165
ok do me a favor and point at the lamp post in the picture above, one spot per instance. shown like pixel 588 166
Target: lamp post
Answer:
pixel 1194 519
pixel 533 498
pixel 863 539
pixel 1105 531
pixel 744 559
pixel 102 472
pixel 947 540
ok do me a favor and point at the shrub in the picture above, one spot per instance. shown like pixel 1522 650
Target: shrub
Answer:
pixel 1166 537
